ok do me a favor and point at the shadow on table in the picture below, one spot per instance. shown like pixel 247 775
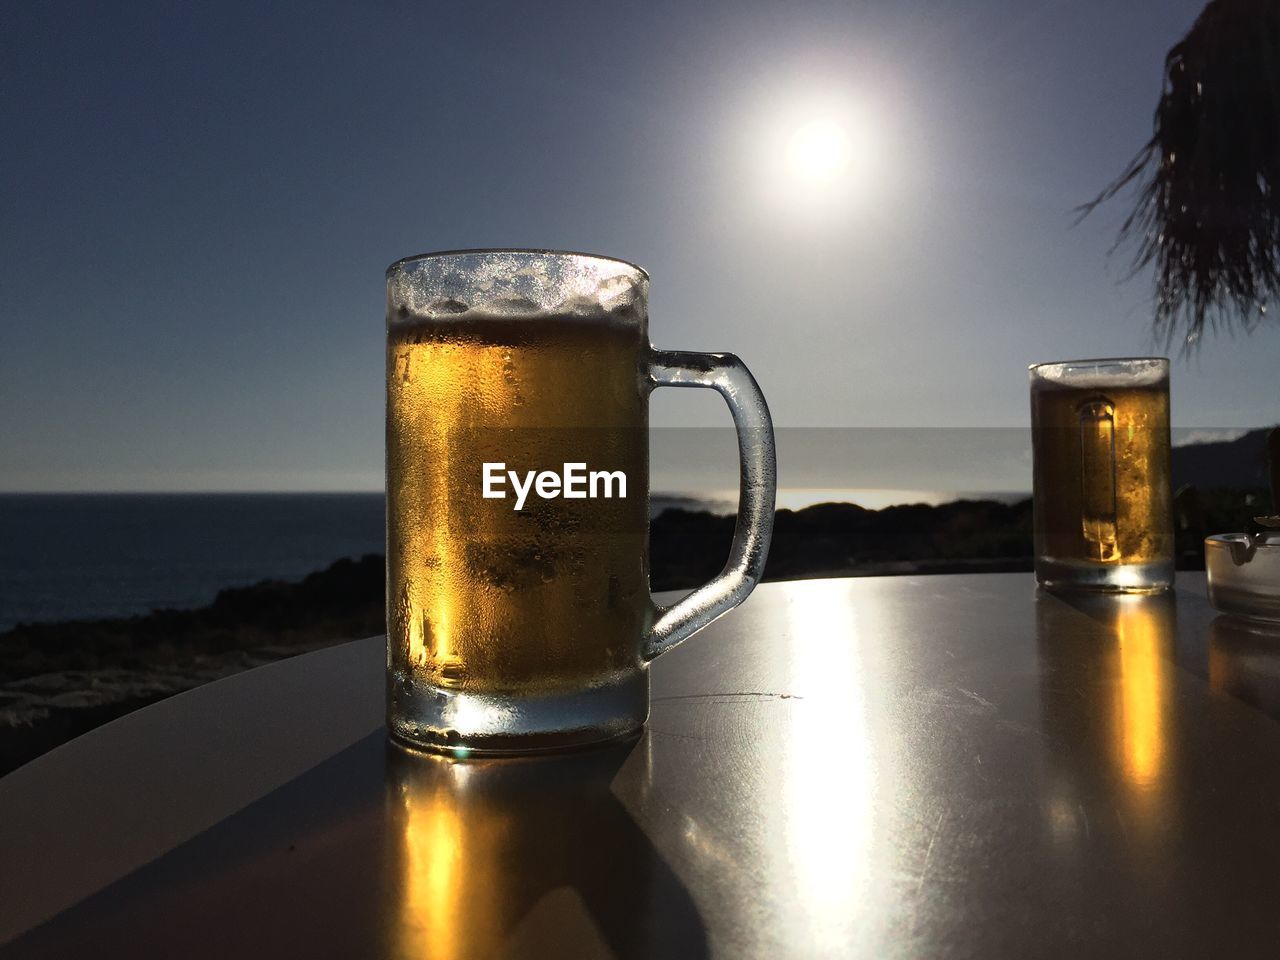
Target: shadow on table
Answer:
pixel 377 852
pixel 1244 662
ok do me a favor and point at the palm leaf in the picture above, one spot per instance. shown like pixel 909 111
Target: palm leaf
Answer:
pixel 1206 212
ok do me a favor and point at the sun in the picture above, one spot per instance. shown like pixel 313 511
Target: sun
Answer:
pixel 818 151
pixel 819 156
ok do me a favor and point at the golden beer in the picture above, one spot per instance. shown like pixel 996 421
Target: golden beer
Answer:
pixel 482 597
pixel 1103 510
pixel 518 610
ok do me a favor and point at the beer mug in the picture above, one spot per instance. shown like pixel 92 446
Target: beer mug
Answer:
pixel 519 616
pixel 1102 512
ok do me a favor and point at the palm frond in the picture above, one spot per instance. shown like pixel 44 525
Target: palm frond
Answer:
pixel 1207 207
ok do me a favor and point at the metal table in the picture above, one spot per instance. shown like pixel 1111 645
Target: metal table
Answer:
pixel 951 766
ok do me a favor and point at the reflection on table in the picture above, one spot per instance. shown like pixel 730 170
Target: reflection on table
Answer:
pixel 1244 661
pixel 925 766
pixel 498 858
pixel 1130 727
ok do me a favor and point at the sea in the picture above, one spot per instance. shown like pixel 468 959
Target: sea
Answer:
pixel 95 556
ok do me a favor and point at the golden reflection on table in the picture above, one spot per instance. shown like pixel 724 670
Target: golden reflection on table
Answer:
pixel 1132 650
pixel 450 842
pixel 497 858
pixel 1144 633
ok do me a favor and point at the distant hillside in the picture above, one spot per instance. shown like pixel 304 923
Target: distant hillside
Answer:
pixel 1236 464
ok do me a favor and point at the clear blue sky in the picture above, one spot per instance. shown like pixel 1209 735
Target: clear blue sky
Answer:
pixel 200 200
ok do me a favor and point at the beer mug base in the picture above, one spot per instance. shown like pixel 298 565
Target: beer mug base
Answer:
pixel 465 724
pixel 1085 577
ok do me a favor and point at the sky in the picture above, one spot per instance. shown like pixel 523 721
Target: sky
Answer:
pixel 201 200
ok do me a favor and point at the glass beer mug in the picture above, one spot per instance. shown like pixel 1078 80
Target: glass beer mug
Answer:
pixel 1103 512
pixel 518 609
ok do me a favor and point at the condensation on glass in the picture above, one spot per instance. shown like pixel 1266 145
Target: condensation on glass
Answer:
pixel 1103 517
pixel 510 630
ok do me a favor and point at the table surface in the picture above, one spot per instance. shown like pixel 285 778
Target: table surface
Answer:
pixel 950 766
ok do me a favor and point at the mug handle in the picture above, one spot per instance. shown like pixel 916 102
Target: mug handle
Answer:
pixel 1098 476
pixel 758 477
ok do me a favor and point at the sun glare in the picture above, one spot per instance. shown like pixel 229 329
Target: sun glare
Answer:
pixel 821 159
pixel 818 151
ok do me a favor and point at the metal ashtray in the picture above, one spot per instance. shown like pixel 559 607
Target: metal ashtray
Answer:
pixel 1244 573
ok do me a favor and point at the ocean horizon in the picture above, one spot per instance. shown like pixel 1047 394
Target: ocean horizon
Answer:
pixel 91 556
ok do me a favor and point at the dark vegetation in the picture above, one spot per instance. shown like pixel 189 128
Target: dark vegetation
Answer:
pixel 341 602
pixel 841 539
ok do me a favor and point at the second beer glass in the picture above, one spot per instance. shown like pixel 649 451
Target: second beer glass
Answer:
pixel 1103 510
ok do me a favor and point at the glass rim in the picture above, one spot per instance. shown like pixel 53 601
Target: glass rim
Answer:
pixel 1226 539
pixel 1097 361
pixel 530 251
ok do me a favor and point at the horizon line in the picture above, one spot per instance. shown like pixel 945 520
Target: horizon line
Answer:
pixel 719 494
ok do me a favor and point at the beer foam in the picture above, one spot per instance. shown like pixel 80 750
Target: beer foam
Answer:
pixel 534 287
pixel 497 287
pixel 520 310
pixel 1100 374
